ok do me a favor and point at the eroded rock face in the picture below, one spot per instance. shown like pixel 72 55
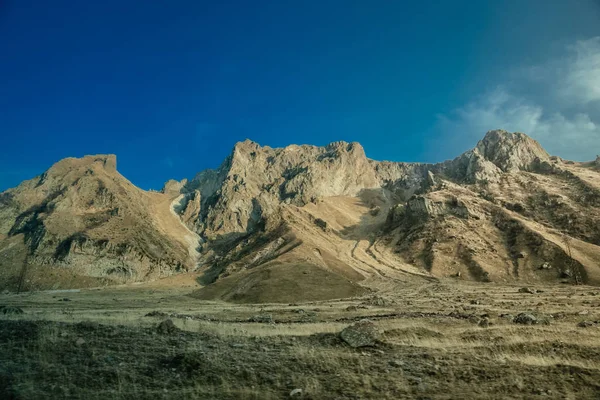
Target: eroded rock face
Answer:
pixel 254 182
pixel 498 152
pixel 477 216
pixel 81 214
pixel 511 151
pixel 173 186
pixel 422 208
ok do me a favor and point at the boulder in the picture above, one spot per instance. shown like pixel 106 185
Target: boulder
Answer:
pixel 525 319
pixel 364 333
pixel 527 290
pixel 585 324
pixel 546 265
pixel 167 327
pixel 530 319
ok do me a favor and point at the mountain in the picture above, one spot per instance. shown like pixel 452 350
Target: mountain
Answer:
pixel 307 222
pixel 81 223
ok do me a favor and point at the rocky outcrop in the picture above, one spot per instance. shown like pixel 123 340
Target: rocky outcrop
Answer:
pixel 422 208
pixel 82 215
pixel 511 151
pixel 486 215
pixel 497 153
pixel 173 187
pixel 236 198
pixel 363 333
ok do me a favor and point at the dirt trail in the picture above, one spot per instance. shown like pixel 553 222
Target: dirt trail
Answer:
pixel 353 227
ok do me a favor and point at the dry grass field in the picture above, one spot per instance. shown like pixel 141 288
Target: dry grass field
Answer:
pixel 440 340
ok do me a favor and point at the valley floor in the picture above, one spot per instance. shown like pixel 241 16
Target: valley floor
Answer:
pixel 441 340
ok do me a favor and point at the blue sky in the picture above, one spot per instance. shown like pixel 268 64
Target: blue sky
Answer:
pixel 171 86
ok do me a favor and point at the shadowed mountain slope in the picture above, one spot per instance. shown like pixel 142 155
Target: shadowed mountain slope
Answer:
pixel 311 222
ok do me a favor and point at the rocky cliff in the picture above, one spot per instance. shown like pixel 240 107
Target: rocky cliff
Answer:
pixel 502 211
pixel 81 221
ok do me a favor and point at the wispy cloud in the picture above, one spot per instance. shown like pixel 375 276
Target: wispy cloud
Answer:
pixel 497 109
pixel 568 124
pixel 582 79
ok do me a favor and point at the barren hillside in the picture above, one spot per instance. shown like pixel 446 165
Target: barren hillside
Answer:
pixel 82 223
pixel 306 222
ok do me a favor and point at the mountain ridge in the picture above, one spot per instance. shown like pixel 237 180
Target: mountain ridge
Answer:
pixel 352 218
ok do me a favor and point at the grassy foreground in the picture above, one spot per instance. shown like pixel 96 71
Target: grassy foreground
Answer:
pixel 440 341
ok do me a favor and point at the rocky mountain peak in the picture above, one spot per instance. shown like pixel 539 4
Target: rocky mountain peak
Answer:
pixel 255 181
pixel 326 206
pixel 104 161
pixel 511 151
pixel 246 147
pixel 347 147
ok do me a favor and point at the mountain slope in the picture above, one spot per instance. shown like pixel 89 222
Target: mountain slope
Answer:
pixel 410 221
pixel 82 221
pixel 310 222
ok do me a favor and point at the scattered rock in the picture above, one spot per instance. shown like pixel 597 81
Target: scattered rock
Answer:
pixel 377 301
pixel 484 323
pixel 361 334
pixel 321 224
pixel 475 302
pixel 167 327
pixel 11 310
pixel 567 273
pixel 156 314
pixel 525 319
pixel 546 265
pixel 585 324
pixel 530 319
pixel 296 393
pixel 527 290
pixel 264 318
pixel 397 363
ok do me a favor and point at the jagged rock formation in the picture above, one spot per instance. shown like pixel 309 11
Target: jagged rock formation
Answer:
pixel 81 221
pixel 274 224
